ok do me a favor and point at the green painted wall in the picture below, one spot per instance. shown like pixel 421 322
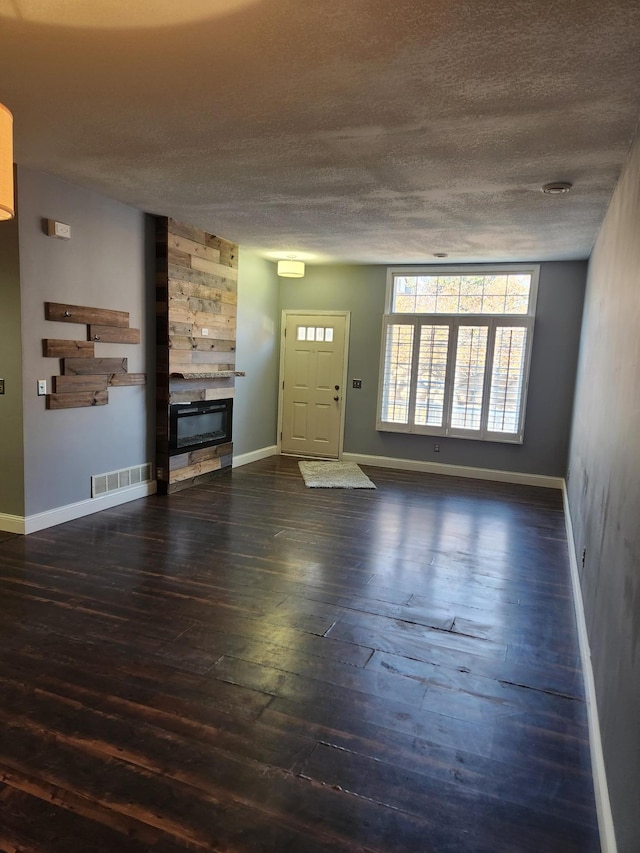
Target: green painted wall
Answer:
pixel 361 290
pixel 257 352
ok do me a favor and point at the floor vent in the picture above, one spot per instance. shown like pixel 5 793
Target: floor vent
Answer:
pixel 114 481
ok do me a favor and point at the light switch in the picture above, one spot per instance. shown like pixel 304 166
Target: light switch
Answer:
pixel 42 387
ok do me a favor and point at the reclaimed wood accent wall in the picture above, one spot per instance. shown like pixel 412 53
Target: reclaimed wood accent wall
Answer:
pixel 85 379
pixel 196 305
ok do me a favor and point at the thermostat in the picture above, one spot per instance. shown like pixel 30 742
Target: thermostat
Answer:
pixel 58 229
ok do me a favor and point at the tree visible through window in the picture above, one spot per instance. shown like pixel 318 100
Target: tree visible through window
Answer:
pixel 456 348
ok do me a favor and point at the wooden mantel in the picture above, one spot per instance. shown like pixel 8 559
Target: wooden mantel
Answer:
pixel 220 374
pixel 196 305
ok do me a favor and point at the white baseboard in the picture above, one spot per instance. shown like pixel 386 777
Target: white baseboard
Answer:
pixel 11 523
pixel 456 470
pixel 254 456
pixel 69 512
pixel 603 804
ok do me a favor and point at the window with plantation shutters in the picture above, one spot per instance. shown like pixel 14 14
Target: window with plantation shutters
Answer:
pixel 456 350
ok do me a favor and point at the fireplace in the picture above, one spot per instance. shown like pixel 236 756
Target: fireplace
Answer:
pixel 193 426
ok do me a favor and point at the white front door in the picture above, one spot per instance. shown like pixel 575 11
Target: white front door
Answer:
pixel 314 374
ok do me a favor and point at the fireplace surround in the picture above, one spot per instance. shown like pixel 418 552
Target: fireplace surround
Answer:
pixel 196 304
pixel 193 426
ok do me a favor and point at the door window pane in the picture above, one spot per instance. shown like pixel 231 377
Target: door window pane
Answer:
pixel 314 333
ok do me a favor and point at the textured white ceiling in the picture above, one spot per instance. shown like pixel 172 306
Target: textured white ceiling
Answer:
pixel 351 130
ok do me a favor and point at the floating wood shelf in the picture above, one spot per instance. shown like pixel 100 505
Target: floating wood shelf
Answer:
pixel 119 379
pixel 113 334
pixel 77 384
pixel 85 378
pixel 67 349
pixel 96 382
pixel 219 374
pixel 77 400
pixel 83 314
pixel 84 366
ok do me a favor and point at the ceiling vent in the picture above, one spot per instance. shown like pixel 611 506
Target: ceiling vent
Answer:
pixel 556 188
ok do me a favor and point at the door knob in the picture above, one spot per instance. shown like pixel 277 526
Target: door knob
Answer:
pixel 336 399
pixel 337 387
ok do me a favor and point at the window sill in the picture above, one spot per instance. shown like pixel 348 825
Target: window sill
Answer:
pixel 492 438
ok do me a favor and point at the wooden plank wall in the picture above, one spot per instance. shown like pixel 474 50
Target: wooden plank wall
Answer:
pixel 85 378
pixel 196 307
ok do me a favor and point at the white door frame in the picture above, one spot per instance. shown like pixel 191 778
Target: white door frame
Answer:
pixel 343 387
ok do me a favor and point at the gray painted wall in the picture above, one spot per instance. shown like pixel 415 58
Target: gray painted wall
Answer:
pixel 361 290
pixel 11 446
pixel 257 353
pixel 604 492
pixel 103 265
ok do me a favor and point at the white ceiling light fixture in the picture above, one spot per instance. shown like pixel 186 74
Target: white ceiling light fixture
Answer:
pixel 291 268
pixel 114 14
pixel 556 188
pixel 7 207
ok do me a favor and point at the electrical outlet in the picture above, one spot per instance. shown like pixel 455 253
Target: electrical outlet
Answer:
pixel 357 383
pixel 436 448
pixel 42 387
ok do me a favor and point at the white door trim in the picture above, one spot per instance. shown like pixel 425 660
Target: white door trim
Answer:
pixel 283 325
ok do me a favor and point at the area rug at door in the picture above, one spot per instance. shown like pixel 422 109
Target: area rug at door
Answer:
pixel 334 475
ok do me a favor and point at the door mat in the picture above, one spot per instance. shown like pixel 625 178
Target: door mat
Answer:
pixel 334 475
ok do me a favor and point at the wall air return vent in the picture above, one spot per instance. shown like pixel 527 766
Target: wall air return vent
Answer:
pixel 115 481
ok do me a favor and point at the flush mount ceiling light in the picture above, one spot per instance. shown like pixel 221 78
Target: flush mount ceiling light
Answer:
pixel 291 268
pixel 7 210
pixel 114 14
pixel 440 255
pixel 556 188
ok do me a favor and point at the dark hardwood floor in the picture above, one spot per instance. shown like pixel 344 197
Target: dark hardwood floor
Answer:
pixel 250 665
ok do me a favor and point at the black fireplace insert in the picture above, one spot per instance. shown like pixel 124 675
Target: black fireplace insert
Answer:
pixel 193 426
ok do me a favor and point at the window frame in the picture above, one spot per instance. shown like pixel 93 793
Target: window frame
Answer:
pixel 453 323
